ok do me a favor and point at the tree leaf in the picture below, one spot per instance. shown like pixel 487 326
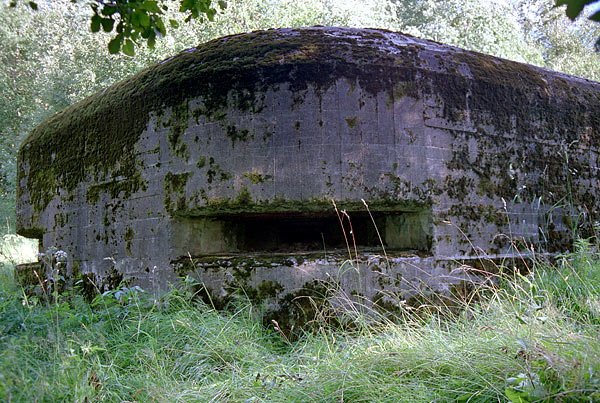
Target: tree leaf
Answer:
pixel 107 24
pixel 174 24
pixel 108 10
pixel 115 45
pixel 210 14
pixel 134 18
pixel 203 5
pixel 147 32
pixel 33 5
pixel 160 26
pixel 595 17
pixel 574 7
pixel 151 41
pixel 151 6
pixel 95 23
pixel 144 20
pixel 222 4
pixel 187 5
pixel 128 48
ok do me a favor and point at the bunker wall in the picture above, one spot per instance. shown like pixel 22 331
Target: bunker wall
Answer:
pixel 458 156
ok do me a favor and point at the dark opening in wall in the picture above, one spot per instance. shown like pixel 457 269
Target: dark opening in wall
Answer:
pixel 319 232
pixel 291 233
pixel 298 233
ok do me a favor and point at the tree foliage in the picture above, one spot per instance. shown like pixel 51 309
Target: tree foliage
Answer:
pixel 135 20
pixel 564 45
pixel 576 7
pixel 531 31
pixel 487 27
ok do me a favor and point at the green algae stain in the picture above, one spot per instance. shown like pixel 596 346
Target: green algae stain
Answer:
pixel 116 187
pixel 256 178
pixel 352 121
pixel 128 238
pixel 201 162
pixel 61 219
pixel 237 135
pixel 214 172
pixel 406 89
pixel 243 197
pixel 174 185
pixel 178 124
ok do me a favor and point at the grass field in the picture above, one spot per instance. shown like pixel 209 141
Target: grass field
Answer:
pixel 534 337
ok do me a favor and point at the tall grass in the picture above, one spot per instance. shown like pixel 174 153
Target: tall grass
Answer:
pixel 535 338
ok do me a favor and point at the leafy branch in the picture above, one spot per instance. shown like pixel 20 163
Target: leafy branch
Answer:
pixel 575 7
pixel 135 21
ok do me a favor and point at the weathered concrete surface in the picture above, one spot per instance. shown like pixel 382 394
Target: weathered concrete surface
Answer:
pixel 221 163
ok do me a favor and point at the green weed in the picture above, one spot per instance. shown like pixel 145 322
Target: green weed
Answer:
pixel 533 339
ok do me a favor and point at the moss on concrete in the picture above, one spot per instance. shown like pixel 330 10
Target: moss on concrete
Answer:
pixel 215 172
pixel 128 238
pixel 234 134
pixel 201 162
pixel 177 124
pixel 112 280
pixel 97 136
pixel 116 187
pixel 243 203
pixel 242 266
pixel 25 274
pixel 256 178
pixel 174 187
pixel 352 122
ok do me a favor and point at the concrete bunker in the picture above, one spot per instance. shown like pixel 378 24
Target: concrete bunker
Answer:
pixel 221 163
